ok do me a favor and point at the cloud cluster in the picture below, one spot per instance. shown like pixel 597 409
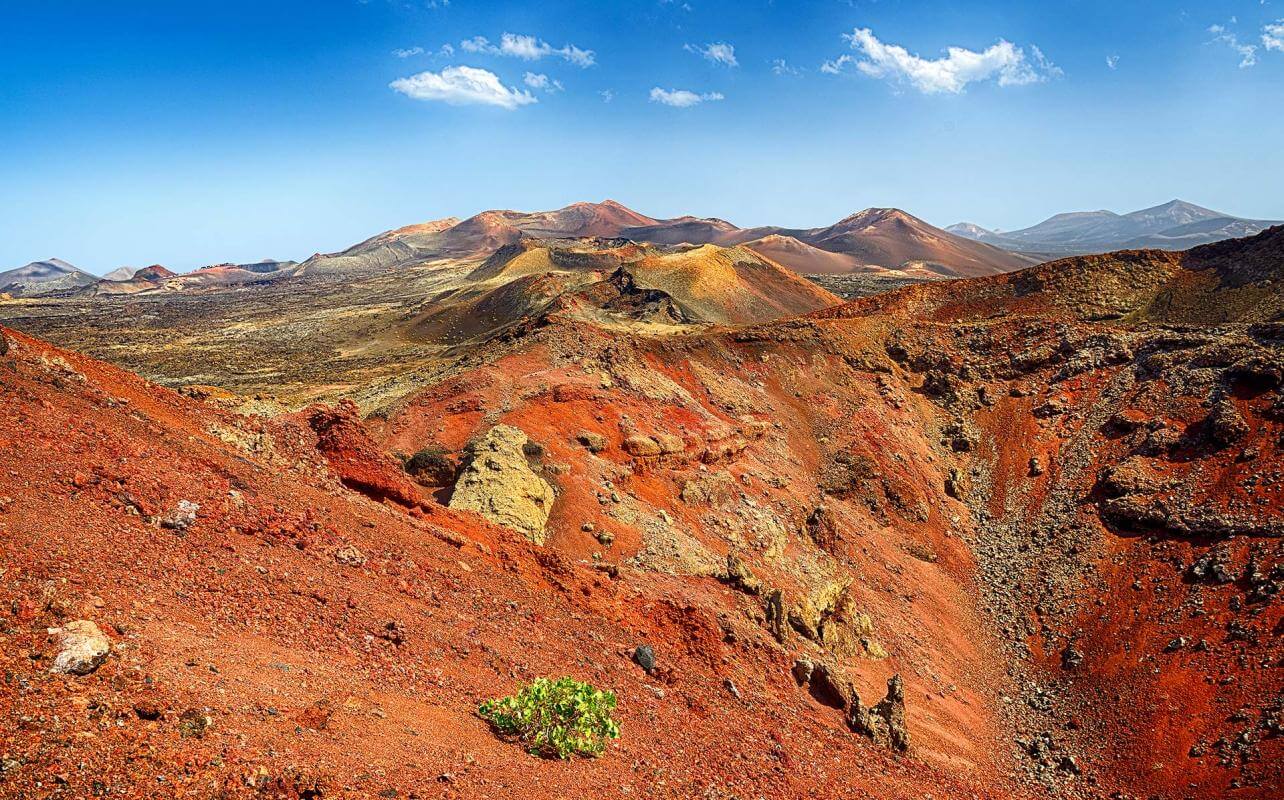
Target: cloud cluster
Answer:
pixel 528 48
pixel 1273 35
pixel 538 80
pixel 835 66
pixel 717 52
pixel 460 86
pixel 1002 62
pixel 1247 52
pixel 682 98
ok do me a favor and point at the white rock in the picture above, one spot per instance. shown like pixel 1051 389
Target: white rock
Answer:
pixel 183 517
pixel 84 648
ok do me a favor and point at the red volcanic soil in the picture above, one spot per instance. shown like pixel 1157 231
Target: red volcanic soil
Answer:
pixel 1049 502
pixel 1107 495
pixel 302 639
pixel 154 273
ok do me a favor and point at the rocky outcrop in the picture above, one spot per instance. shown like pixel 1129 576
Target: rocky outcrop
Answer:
pixel 847 631
pixel 1134 496
pixel 885 721
pixel 740 576
pixel 498 483
pixel 830 618
pixel 640 446
pixel 1226 426
pixel 660 444
pixel 822 528
pixel 826 684
pixel 431 466
pixel 593 442
pixel 182 517
pixel 355 459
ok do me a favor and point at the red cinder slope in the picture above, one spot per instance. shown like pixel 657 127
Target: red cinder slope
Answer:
pixel 1063 517
pixel 293 638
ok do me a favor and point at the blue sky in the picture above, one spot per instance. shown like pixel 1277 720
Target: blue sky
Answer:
pixel 195 132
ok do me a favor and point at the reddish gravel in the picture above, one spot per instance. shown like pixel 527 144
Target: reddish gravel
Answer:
pixel 1097 622
pixel 322 679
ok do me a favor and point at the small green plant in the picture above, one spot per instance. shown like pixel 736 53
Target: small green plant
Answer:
pixel 555 718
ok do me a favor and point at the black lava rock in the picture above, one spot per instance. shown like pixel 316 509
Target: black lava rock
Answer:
pixel 644 657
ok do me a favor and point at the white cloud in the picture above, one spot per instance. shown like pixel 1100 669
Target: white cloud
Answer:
pixel 522 46
pixel 1002 62
pixel 1112 61
pixel 528 48
pixel 781 67
pixel 717 52
pixel 1247 52
pixel 446 50
pixel 1046 67
pixel 407 52
pixel 607 95
pixel 460 86
pixel 1273 35
pixel 681 98
pixel 836 66
pixel 537 80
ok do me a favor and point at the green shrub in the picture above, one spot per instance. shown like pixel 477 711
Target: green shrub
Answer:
pixel 555 718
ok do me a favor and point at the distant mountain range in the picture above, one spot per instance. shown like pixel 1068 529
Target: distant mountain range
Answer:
pixel 120 274
pixel 874 240
pixel 57 277
pixel 1176 225
pixel 42 277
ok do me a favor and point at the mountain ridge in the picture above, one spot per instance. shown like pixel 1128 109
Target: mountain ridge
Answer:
pixel 39 277
pixel 1174 225
pixel 875 239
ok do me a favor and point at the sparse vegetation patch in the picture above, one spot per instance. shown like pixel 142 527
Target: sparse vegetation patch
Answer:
pixel 555 718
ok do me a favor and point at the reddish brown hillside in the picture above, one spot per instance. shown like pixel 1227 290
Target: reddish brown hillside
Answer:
pixel 998 538
pixel 154 273
pixel 685 230
pixel 274 633
pixel 1117 490
pixel 892 239
pixel 605 219
pixel 789 252
pixel 1236 280
pixel 873 239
